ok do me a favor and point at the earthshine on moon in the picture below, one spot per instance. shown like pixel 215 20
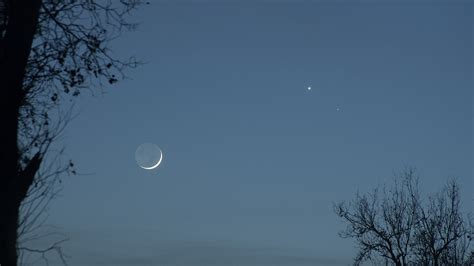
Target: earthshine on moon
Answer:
pixel 148 156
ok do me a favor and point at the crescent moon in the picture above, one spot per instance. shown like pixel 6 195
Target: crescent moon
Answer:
pixel 156 165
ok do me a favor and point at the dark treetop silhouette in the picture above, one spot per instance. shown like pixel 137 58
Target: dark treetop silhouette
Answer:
pixel 400 227
pixel 49 51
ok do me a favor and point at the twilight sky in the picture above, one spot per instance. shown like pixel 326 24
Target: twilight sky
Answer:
pixel 253 160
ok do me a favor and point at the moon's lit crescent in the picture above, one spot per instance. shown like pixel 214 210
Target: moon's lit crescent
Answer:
pixel 156 165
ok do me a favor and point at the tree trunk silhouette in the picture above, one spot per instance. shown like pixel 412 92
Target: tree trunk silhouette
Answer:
pixel 15 48
pixel 46 50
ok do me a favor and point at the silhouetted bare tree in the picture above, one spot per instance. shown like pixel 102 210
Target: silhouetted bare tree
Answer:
pixel 50 50
pixel 397 226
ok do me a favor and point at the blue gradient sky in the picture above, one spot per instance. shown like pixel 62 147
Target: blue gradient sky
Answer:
pixel 253 160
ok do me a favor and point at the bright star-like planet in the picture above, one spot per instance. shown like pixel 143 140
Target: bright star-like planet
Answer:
pixel 309 88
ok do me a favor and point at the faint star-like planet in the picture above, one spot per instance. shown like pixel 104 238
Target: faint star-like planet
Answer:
pixel 148 156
